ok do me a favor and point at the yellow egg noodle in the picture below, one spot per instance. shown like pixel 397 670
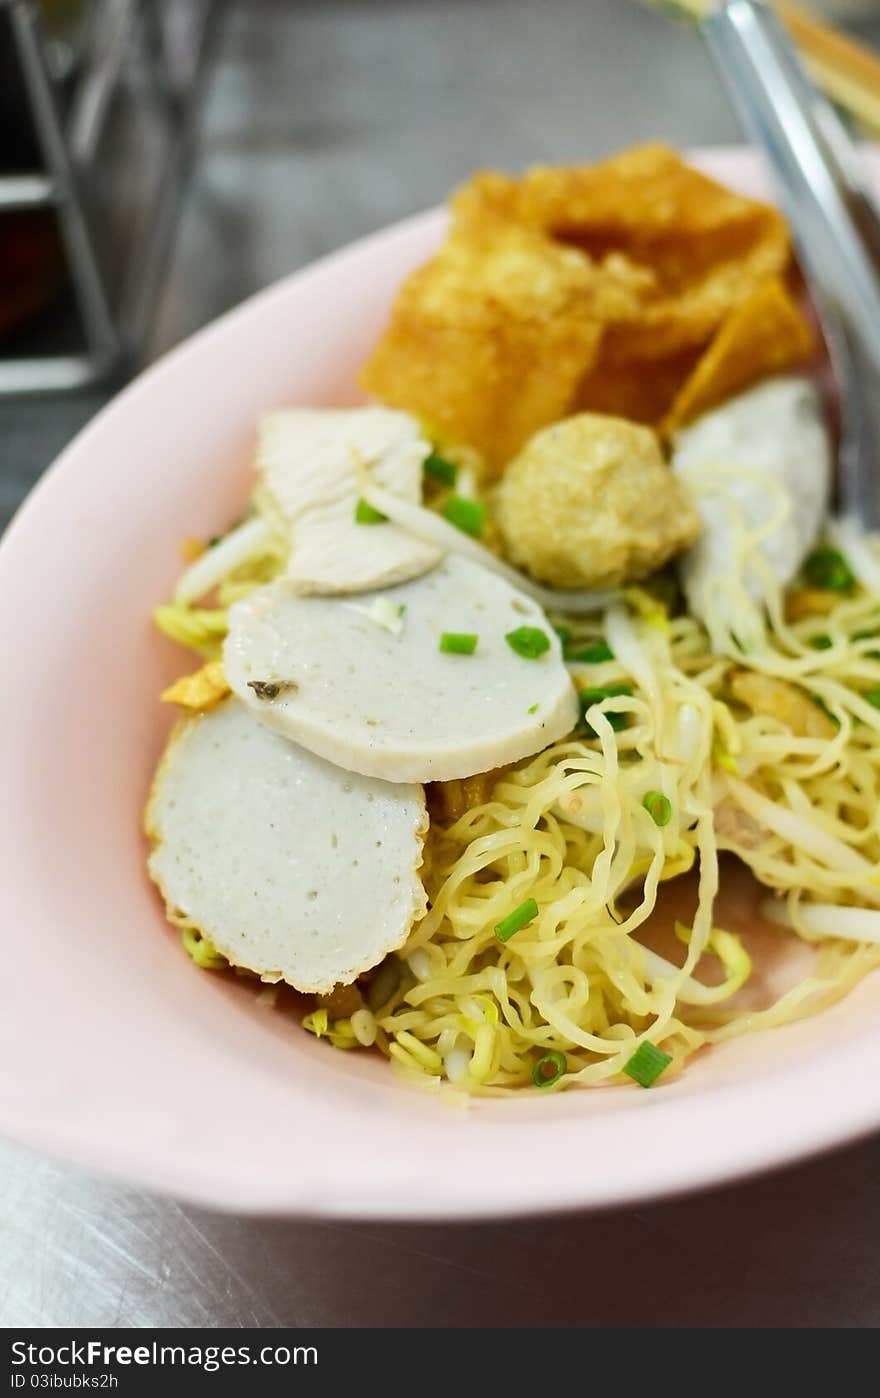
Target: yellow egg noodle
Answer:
pixel 668 768
pixel 623 350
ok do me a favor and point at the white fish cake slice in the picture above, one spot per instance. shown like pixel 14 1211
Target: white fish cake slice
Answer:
pixel 309 461
pixel 294 869
pixel 323 672
pixel 763 448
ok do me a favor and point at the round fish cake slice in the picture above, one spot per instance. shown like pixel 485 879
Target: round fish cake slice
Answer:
pixel 428 681
pixel 308 460
pixel 766 448
pixel 293 868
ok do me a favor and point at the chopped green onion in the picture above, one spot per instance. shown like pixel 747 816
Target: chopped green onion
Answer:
pixel 215 540
pixel 458 643
pixel 467 515
pixel 821 642
pixel 533 708
pixel 528 641
pixel 646 1064
pixel 365 514
pixel 594 695
pixel 564 634
pixel 828 570
pixel 517 920
pixel 617 721
pixel 591 655
pixel 442 470
pixel 659 807
pixel 873 697
pixel 549 1068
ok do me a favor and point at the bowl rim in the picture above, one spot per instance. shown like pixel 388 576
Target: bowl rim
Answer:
pixel 816 1117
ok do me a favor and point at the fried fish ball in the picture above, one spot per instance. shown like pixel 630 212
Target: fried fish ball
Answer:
pixel 590 502
pixel 489 341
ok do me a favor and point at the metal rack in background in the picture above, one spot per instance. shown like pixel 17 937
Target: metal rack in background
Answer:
pixel 170 44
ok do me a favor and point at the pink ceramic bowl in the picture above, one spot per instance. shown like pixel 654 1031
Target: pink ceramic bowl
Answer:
pixel 115 1052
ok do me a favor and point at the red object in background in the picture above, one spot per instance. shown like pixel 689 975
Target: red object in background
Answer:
pixel 31 266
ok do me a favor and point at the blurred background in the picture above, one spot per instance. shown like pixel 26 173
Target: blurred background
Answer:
pixel 162 159
pixel 209 149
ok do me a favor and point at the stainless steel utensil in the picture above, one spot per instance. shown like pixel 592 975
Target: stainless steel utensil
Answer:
pixel 158 53
pixel 835 225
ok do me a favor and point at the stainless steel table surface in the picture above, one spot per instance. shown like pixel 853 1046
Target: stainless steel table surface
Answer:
pixel 324 121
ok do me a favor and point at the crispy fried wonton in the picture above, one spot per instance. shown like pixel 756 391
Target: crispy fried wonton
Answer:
pixel 596 287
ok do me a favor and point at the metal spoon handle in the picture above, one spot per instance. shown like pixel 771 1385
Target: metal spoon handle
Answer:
pixel 833 221
pixel 816 165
